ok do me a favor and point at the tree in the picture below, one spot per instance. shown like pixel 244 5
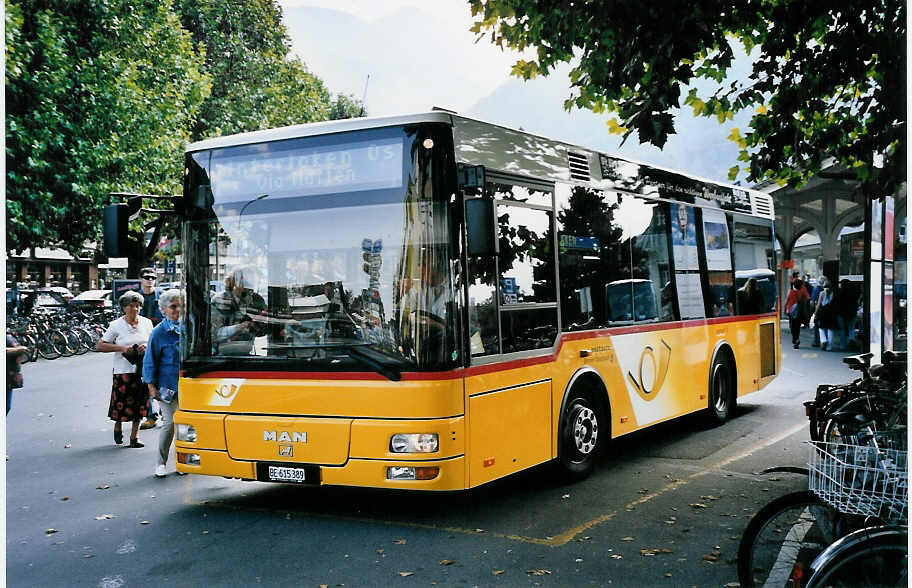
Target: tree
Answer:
pixel 99 98
pixel 256 83
pixel 827 78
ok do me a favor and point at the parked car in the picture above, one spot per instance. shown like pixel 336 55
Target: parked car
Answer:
pixel 93 299
pixel 65 292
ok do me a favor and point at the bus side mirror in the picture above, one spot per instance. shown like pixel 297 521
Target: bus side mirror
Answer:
pixel 479 227
pixel 115 222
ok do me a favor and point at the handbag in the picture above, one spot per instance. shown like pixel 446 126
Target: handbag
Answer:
pixel 133 355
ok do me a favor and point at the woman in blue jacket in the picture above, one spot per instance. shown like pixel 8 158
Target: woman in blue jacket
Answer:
pixel 161 366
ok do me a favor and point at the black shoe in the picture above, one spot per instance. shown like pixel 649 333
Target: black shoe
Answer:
pixel 136 443
pixel 118 437
pixel 795 345
pixel 823 346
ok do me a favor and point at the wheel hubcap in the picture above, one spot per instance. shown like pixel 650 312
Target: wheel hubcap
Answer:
pixel 719 390
pixel 585 430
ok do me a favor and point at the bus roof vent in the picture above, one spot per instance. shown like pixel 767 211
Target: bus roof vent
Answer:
pixel 579 166
pixel 763 205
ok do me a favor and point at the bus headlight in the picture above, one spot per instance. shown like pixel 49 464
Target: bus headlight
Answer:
pixel 414 443
pixel 186 433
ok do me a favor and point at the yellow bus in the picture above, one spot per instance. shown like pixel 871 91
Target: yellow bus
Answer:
pixel 433 302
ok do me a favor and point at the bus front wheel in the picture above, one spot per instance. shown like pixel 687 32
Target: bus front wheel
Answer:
pixel 584 430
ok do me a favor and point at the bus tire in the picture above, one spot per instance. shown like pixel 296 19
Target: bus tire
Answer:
pixel 584 431
pixel 722 390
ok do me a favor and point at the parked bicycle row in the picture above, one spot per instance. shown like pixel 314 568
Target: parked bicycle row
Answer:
pixel 850 528
pixel 51 333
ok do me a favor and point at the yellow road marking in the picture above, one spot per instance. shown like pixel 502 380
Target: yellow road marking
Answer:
pixel 558 540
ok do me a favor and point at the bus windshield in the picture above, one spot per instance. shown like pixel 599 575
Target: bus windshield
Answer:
pixel 327 253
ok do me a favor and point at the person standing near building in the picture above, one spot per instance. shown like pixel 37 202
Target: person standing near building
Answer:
pixel 825 314
pixel 796 305
pixel 815 297
pixel 150 310
pixel 161 366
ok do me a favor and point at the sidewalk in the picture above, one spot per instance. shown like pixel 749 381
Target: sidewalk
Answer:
pixel 806 340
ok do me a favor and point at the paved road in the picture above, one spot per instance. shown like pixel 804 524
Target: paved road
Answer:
pixel 665 508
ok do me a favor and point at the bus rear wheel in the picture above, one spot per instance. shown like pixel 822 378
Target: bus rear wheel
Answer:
pixel 722 393
pixel 584 430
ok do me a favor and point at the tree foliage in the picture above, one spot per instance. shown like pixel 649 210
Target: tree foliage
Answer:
pixel 99 97
pixel 827 78
pixel 103 96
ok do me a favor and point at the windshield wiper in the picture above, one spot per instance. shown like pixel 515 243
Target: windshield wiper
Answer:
pixel 382 364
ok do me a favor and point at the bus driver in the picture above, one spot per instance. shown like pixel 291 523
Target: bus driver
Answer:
pixel 233 314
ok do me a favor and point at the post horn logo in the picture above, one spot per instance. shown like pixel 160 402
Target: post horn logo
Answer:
pixel 652 372
pixel 226 390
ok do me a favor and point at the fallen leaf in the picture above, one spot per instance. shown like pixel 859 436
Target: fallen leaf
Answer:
pixel 67 446
pixel 539 572
pixel 50 531
pixel 565 497
pixel 399 541
pixel 668 574
pixel 65 498
pixel 627 539
pixel 204 533
pixel 103 517
pixel 324 585
pixel 497 572
pixel 379 552
pixel 404 574
pixel 579 560
pixel 709 497
pixel 616 556
pixel 88 555
pixel 646 552
pixel 733 585
pixel 446 562
pixel 480 531
pixel 697 505
pixel 710 557
pixel 143 522
pixel 102 487
pixel 642 491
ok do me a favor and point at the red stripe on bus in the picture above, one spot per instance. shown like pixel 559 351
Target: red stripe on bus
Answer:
pixel 491 367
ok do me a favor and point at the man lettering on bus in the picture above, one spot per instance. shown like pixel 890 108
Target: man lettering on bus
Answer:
pixel 234 313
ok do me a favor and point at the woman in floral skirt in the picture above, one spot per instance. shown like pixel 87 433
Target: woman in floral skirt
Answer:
pixel 127 337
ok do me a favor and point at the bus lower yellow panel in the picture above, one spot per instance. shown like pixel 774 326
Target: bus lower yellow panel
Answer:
pixel 371 438
pixel 510 431
pixel 289 439
pixel 342 398
pixel 372 473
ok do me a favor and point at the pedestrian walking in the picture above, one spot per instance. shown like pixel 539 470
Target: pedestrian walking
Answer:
pixel 825 316
pixel 126 337
pixel 152 311
pixel 161 366
pixel 815 298
pixel 14 353
pixel 796 307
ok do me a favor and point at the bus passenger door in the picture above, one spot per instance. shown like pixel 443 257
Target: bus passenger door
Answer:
pixel 513 326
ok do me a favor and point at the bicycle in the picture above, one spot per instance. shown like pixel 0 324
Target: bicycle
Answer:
pixel 804 536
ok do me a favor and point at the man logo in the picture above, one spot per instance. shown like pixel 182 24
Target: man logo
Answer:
pixel 652 373
pixel 286 450
pixel 285 437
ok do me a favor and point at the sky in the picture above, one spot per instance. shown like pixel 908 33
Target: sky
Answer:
pixel 422 54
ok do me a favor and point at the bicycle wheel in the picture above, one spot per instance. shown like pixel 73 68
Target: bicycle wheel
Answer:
pixel 784 537
pixel 82 339
pixel 64 344
pixel 47 348
pixel 871 557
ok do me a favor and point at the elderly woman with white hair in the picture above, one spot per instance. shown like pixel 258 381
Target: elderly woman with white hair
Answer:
pixel 161 367
pixel 126 337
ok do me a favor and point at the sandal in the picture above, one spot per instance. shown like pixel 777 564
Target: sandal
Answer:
pixel 118 437
pixel 136 443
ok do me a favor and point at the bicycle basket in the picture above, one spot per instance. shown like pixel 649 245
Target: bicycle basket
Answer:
pixel 868 480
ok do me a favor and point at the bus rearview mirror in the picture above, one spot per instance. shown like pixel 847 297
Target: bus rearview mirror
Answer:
pixel 479 227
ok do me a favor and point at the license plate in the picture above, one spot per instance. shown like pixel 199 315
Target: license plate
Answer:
pixel 284 474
